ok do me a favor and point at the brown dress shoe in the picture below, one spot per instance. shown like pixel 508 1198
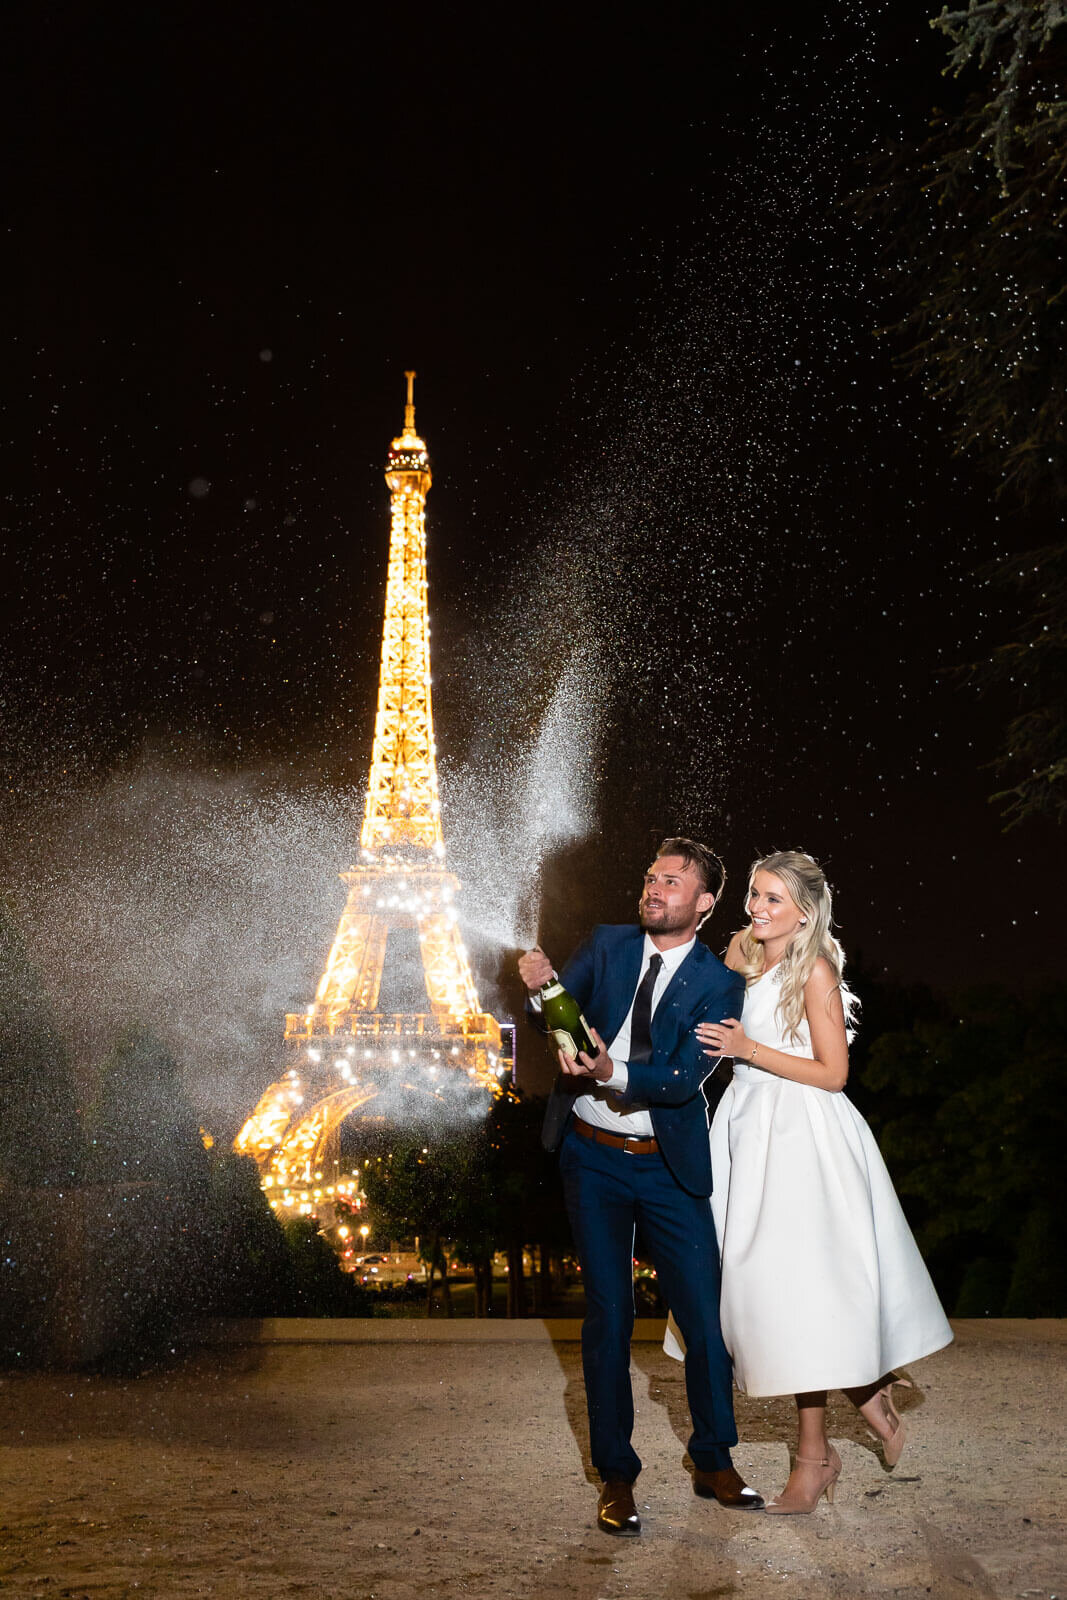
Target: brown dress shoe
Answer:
pixel 727 1486
pixel 616 1512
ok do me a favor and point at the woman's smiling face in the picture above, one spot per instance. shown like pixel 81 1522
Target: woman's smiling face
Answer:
pixel 773 912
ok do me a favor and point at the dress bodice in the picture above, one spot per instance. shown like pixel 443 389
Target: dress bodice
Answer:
pixel 763 1025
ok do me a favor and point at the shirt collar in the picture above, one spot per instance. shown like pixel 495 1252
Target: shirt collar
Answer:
pixel 672 959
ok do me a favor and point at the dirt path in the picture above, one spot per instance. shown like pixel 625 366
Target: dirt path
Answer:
pixel 449 1460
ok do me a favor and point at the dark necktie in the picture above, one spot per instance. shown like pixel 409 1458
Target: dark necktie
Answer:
pixel 641 1021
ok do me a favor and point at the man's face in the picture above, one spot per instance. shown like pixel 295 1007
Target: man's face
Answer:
pixel 674 898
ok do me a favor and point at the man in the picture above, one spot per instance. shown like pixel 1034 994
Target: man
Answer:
pixel 632 1129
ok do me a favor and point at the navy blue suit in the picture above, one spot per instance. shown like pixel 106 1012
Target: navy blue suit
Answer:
pixel 609 1191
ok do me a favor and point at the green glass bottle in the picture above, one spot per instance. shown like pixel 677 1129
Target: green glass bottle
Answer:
pixel 564 1020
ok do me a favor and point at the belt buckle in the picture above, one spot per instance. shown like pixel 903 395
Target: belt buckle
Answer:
pixel 631 1138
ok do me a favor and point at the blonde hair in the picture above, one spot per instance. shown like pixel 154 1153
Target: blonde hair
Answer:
pixel 810 893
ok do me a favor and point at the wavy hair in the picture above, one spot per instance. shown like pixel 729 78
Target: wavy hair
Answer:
pixel 810 893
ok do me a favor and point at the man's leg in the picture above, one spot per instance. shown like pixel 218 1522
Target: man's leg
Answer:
pixel 680 1235
pixel 600 1204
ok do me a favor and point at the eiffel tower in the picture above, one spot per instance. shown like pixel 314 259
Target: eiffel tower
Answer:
pixel 344 1052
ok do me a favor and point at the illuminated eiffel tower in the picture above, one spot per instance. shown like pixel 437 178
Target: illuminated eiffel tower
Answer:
pixel 343 1050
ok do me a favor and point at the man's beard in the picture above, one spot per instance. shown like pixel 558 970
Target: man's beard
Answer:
pixel 666 921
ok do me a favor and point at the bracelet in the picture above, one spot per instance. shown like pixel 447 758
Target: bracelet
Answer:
pixel 752 1057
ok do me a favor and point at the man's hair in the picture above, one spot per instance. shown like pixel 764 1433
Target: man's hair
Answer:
pixel 710 869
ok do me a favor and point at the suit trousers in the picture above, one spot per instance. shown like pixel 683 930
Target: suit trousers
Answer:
pixel 608 1195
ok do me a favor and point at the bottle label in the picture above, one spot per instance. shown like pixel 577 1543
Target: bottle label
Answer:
pixel 564 1041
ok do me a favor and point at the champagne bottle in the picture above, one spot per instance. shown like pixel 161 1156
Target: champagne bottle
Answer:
pixel 564 1020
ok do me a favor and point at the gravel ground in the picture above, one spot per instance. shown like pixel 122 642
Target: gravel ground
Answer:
pixel 386 1460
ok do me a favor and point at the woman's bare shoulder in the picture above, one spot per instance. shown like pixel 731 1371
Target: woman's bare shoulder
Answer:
pixel 733 957
pixel 822 977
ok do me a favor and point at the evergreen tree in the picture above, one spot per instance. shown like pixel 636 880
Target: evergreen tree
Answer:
pixel 40 1135
pixel 976 216
pixel 243 1258
pixel 145 1270
pixel 140 1124
pixel 969 1111
pixel 1033 670
pixel 320 1287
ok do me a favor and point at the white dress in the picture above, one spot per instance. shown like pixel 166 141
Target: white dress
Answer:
pixel 823 1286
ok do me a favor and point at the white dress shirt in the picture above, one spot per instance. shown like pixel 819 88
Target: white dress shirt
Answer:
pixel 599 1104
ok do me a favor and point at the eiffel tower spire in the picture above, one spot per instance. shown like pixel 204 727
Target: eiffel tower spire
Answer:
pixel 400 882
pixel 402 801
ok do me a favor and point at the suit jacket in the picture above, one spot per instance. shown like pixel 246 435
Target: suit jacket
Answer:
pixel 602 976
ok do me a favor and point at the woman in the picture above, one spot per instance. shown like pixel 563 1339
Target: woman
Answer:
pixel 822 1283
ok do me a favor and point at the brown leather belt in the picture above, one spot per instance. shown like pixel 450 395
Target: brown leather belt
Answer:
pixel 617 1141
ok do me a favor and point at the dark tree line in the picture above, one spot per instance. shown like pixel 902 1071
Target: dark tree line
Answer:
pixel 115 1214
pixel 964 1092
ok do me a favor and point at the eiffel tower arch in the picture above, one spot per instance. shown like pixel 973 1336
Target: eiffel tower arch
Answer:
pixel 344 1053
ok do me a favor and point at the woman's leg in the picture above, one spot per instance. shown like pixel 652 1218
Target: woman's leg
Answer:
pixel 874 1402
pixel 870 1402
pixel 812 1443
pixel 817 1462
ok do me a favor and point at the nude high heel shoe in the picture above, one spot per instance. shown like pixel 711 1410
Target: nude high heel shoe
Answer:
pixel 794 1501
pixel 894 1444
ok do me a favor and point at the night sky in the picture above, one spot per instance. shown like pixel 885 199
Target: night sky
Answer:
pixel 615 244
